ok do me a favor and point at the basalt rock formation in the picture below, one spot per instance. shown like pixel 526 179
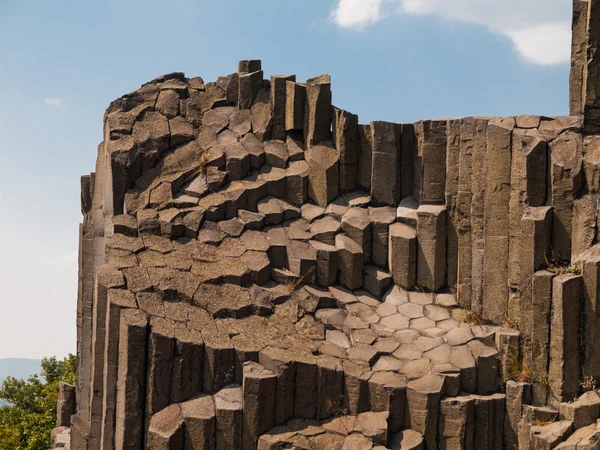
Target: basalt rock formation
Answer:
pixel 259 270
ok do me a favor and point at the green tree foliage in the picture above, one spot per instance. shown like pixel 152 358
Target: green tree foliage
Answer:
pixel 30 411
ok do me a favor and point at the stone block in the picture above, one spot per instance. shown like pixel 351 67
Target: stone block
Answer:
pixel 327 263
pixel 323 176
pixel 250 84
pixel 591 320
pixel 66 404
pixel 536 354
pixel 188 363
pixel 431 237
pixel 318 114
pixel 305 385
pixel 582 412
pixel 381 219
pixel 166 429
pixel 278 103
pixel 356 386
pixel 350 261
pixel 357 225
pixel 497 197
pixel 423 396
pixel 530 416
pixel 302 260
pixel 517 395
pixel 365 156
pixel 387 392
pixel 294 105
pixel 546 437
pixel 296 182
pixel 376 280
pixel 508 345
pixel 566 177
pixel 131 379
pixel 385 174
pixel 456 423
pixel 259 394
pixel 159 368
pixel 432 143
pixel 200 422
pixel 280 363
pixel 347 142
pixel 489 412
pixel 219 360
pixel 330 387
pixel 402 256
pixel 228 408
pixel 564 373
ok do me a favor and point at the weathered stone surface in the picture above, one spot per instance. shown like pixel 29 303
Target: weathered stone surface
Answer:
pixel 228 408
pixel 66 404
pixel 318 114
pixel 402 257
pixel 347 142
pixel 431 256
pixel 357 225
pixel 381 219
pixel 517 395
pixel 131 379
pixel 350 261
pixel 564 374
pixel 456 423
pixel 259 391
pixel 323 176
pixel 423 397
pixel 385 178
pixel 166 429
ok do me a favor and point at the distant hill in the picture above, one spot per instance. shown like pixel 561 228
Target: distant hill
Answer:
pixel 18 368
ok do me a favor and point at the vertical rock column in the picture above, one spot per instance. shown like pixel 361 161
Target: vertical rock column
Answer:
pixel 592 72
pixel 578 57
pixel 278 104
pixel 160 365
pixel 365 157
pixel 497 196
pixel 318 111
pixel 528 188
pixel 118 300
pixel 537 357
pixel 478 211
pixel 403 255
pixel 452 178
pixel 385 174
pixel 259 391
pixel 463 214
pixel 565 176
pixel 431 236
pixel 534 253
pixel 591 315
pixel 565 365
pixel 423 397
pixel 456 423
pixel 347 142
pixel 432 149
pixel 323 177
pixel 131 380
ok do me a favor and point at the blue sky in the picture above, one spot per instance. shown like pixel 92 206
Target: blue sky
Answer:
pixel 64 61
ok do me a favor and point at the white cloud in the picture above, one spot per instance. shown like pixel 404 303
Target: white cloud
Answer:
pixel 56 102
pixel 357 13
pixel 540 30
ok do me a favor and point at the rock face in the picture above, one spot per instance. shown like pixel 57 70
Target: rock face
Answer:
pixel 257 270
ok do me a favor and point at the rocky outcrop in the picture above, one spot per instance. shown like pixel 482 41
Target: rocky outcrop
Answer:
pixel 259 270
